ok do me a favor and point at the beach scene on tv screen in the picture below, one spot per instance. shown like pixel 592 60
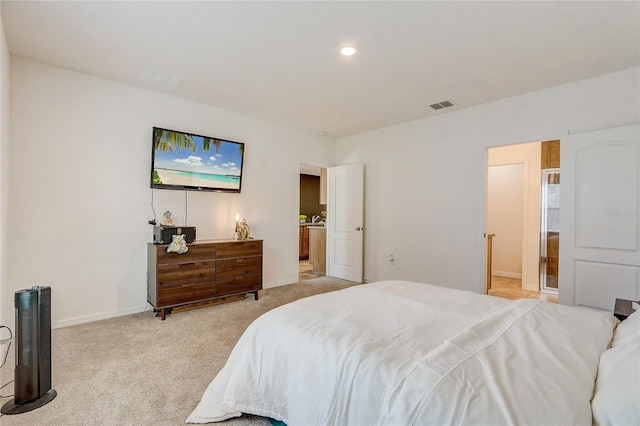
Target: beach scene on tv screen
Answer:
pixel 189 160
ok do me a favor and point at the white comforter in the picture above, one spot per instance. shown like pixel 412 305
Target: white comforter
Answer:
pixel 403 353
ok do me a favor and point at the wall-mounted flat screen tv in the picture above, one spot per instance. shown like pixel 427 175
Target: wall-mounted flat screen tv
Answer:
pixel 186 161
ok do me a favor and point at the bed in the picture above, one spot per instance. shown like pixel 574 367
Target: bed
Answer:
pixel 404 353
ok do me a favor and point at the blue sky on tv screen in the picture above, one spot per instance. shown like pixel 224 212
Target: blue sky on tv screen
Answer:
pixel 227 161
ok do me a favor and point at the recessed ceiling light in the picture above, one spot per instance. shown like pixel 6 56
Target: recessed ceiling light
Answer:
pixel 348 50
pixel 322 133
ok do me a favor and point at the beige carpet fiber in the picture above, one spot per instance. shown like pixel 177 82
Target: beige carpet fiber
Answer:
pixel 139 370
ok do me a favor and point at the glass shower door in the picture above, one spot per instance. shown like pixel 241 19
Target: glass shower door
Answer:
pixel 550 230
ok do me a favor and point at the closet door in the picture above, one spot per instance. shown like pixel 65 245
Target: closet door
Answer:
pixel 599 220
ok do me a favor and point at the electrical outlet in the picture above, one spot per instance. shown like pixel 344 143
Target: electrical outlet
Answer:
pixel 392 259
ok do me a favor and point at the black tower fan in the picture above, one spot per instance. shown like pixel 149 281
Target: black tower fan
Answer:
pixel 32 385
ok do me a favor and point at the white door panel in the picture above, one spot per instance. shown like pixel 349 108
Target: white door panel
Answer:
pixel 607 196
pixel 345 219
pixel 344 252
pixel 599 280
pixel 600 221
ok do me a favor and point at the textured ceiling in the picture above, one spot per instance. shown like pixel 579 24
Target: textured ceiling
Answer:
pixel 279 61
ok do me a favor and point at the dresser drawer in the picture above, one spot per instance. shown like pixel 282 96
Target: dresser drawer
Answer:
pixel 185 272
pixel 204 290
pixel 238 267
pixel 241 284
pixel 197 252
pixel 184 293
pixel 238 249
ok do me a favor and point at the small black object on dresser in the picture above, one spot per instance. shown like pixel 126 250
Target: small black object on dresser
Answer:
pixel 164 234
pixel 623 309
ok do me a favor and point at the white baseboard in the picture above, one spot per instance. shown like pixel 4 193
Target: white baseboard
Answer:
pixel 97 317
pixel 134 310
pixel 279 283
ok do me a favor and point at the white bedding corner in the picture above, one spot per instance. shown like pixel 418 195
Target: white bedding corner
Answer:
pixel 398 352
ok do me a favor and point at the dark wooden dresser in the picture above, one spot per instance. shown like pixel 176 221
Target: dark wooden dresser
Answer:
pixel 210 270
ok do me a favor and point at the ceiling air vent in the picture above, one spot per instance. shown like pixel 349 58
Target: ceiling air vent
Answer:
pixel 440 105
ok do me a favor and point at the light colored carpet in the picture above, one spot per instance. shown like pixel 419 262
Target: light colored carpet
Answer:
pixel 139 370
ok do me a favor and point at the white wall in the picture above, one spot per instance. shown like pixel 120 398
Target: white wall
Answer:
pixel 425 180
pixel 505 211
pixel 80 197
pixel 4 167
pixel 529 156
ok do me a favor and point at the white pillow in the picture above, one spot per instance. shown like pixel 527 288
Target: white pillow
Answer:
pixel 616 399
pixel 627 331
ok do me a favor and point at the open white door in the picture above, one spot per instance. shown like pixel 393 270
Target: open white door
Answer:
pixel 345 203
pixel 599 220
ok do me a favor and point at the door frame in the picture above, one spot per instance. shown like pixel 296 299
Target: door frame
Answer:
pixel 531 208
pixel 543 228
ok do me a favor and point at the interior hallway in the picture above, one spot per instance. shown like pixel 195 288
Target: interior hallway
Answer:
pixel 511 288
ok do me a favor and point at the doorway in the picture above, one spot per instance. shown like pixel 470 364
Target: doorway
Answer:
pixel 516 168
pixel 311 214
pixel 336 234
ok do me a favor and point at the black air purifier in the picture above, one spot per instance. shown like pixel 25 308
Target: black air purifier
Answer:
pixel 32 381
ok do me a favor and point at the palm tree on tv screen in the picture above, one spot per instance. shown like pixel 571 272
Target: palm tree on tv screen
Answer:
pixel 167 141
